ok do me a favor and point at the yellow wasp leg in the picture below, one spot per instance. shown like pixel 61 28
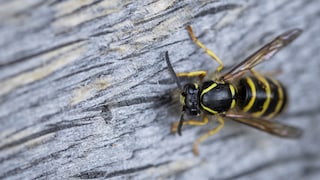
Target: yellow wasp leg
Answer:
pixel 200 74
pixel 208 134
pixel 208 51
pixel 190 122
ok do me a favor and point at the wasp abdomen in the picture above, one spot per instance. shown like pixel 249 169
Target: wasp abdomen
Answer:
pixel 261 96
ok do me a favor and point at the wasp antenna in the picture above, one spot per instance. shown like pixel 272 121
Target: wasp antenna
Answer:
pixel 180 123
pixel 166 57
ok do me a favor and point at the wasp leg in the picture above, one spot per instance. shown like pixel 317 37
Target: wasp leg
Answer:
pixel 204 121
pixel 200 74
pixel 208 51
pixel 208 134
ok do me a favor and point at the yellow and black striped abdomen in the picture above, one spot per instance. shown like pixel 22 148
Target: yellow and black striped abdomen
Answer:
pixel 261 96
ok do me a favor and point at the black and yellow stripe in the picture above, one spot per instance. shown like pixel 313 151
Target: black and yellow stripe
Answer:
pixel 261 96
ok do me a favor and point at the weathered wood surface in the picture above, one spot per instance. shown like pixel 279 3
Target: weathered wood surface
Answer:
pixel 85 92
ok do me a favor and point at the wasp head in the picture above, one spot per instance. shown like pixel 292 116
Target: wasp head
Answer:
pixel 189 98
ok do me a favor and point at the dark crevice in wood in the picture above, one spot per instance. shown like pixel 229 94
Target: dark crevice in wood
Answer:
pixel 41 120
pixel 109 26
pixel 268 165
pixel 81 25
pixel 159 99
pixel 172 43
pixel 10 157
pixel 32 105
pixel 146 48
pixel 44 175
pixel 106 114
pixel 81 70
pixel 128 39
pixel 125 80
pixel 90 175
pixel 116 139
pixel 140 100
pixel 85 138
pixel 310 170
pixel 162 100
pixel 160 15
pixel 102 33
pixel 46 98
pixel 156 73
pixel 217 9
pixel 134 55
pixel 178 149
pixel 137 150
pixel 24 58
pixel 79 9
pixel 30 9
pixel 54 128
pixel 55 2
pixel 104 174
pixel 16 155
pixel 36 162
pixel 134 170
pixel 19 154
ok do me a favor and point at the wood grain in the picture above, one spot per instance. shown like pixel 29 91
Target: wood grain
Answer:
pixel 86 94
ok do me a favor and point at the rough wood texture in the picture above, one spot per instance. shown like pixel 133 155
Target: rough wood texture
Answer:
pixel 85 92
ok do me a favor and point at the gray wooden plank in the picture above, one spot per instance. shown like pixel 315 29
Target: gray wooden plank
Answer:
pixel 86 94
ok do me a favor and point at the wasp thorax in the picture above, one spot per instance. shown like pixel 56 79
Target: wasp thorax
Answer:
pixel 190 99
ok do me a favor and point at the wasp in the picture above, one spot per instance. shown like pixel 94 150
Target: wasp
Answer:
pixel 241 94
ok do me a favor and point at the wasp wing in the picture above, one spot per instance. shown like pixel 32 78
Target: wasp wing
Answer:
pixel 264 53
pixel 265 125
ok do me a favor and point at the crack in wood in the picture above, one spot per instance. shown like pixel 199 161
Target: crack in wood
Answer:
pixel 102 33
pixel 35 162
pixel 135 151
pixel 54 128
pixel 140 100
pixel 25 11
pixel 39 53
pixel 160 15
pixel 79 9
pixel 310 170
pixel 90 175
pixel 44 175
pixel 105 174
pixel 106 114
pixel 217 9
pixel 84 69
